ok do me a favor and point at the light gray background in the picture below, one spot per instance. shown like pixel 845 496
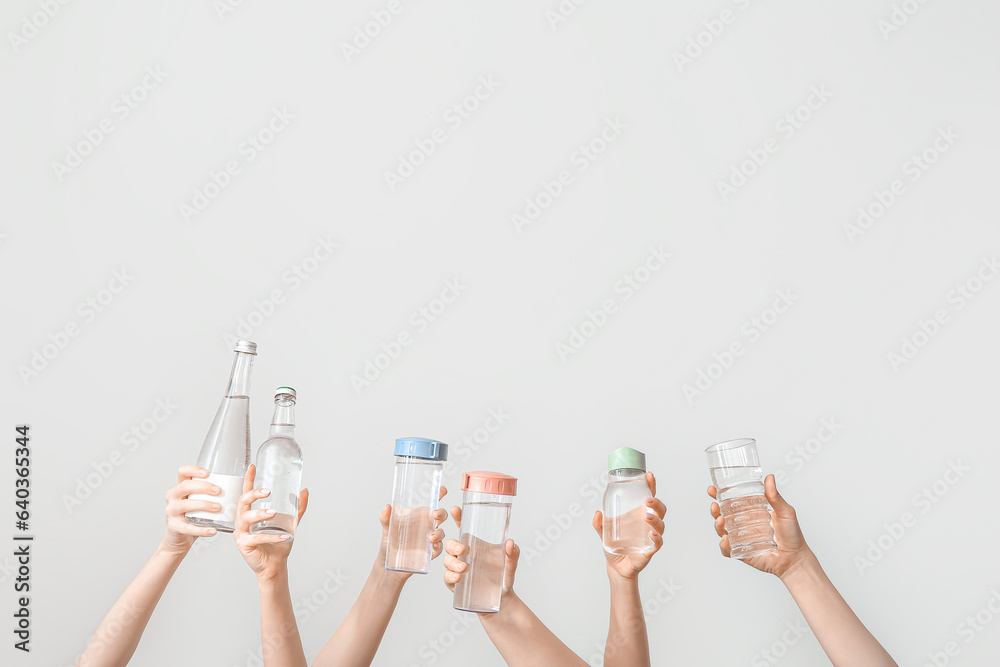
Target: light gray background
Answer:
pixel 495 346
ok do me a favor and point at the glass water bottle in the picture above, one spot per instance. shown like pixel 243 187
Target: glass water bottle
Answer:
pixel 226 451
pixel 485 518
pixel 279 469
pixel 415 489
pixel 625 511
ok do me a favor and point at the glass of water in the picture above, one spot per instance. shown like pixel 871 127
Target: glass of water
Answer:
pixel 739 484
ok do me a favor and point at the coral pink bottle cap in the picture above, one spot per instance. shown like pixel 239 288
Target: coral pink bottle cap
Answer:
pixel 489 482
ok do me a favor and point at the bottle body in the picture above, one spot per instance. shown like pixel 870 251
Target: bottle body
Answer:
pixel 624 508
pixel 415 489
pixel 739 483
pixel 485 520
pixel 226 450
pixel 279 469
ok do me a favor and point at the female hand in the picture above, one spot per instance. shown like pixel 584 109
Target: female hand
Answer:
pixel 179 534
pixel 628 566
pixel 266 554
pixel 455 567
pixel 792 548
pixel 435 537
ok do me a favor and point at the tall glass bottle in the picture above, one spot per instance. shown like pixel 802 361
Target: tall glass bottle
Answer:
pixel 279 468
pixel 226 451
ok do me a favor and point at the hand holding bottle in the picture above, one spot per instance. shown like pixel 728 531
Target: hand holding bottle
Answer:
pixel 265 553
pixel 628 566
pixel 455 567
pixel 179 535
pixel 792 549
pixel 435 537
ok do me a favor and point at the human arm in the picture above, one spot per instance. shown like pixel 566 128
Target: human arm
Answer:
pixel 844 638
pixel 117 637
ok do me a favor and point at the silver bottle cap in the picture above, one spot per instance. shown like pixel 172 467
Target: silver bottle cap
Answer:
pixel 245 346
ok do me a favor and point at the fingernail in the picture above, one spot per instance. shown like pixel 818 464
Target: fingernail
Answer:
pixel 655 534
pixel 264 491
pixel 285 538
pixel 211 531
pixel 269 513
pixel 216 506
pixel 649 500
pixel 216 489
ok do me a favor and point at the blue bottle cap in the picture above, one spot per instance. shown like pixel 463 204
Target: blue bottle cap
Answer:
pixel 422 448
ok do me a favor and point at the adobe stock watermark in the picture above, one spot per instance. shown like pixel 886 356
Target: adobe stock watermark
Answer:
pixel 467 445
pixel 785 128
pixel 900 15
pixel 87 311
pixel 559 524
pixel 561 12
pixel 223 8
pixel 579 161
pixel 109 633
pixel 912 170
pixel 750 332
pixel 664 593
pixel 793 633
pixel 120 109
pixel 304 609
pixel 31 25
pixel 453 118
pixel 367 32
pixel 419 321
pixel 292 278
pixel 967 630
pixel 248 151
pixel 624 289
pixel 136 436
pixel 434 648
pixel 923 502
pixel 957 298
pixel 805 452
pixel 712 30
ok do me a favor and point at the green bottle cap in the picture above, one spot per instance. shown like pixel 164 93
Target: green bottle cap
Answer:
pixel 626 457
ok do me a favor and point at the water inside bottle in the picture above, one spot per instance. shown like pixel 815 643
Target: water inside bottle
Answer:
pixel 740 493
pixel 627 533
pixel 481 585
pixel 408 549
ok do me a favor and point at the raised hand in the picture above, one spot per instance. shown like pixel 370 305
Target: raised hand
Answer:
pixel 179 535
pixel 629 566
pixel 792 549
pixel 266 554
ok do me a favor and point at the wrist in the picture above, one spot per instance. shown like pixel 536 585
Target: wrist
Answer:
pixel 510 603
pixel 387 579
pixel 171 549
pixel 272 577
pixel 619 580
pixel 803 569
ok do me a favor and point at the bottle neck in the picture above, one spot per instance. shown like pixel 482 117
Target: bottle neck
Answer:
pixel 239 379
pixel 620 474
pixel 283 423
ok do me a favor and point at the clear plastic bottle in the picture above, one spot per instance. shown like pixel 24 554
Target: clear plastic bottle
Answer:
pixel 485 518
pixel 279 469
pixel 226 450
pixel 739 486
pixel 415 489
pixel 625 511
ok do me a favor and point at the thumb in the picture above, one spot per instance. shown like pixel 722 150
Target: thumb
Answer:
pixel 383 516
pixel 598 523
pixel 510 566
pixel 780 505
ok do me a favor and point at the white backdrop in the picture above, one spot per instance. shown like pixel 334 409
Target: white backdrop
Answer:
pixel 173 172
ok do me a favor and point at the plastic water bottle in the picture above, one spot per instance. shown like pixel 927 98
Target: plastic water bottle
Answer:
pixel 279 469
pixel 739 485
pixel 415 489
pixel 625 511
pixel 226 451
pixel 485 518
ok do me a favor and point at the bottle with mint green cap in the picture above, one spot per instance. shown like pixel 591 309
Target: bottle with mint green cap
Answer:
pixel 625 527
pixel 279 469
